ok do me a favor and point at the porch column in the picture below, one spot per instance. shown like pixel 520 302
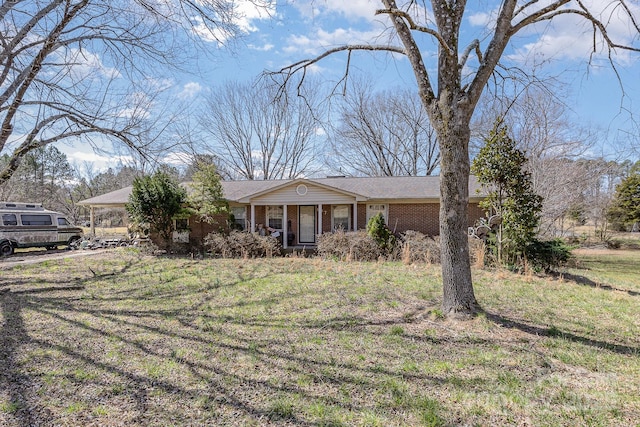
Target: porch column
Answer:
pixel 355 216
pixel 92 220
pixel 320 218
pixel 285 229
pixel 253 219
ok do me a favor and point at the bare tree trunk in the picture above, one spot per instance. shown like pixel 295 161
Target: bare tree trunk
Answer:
pixel 462 77
pixel 458 297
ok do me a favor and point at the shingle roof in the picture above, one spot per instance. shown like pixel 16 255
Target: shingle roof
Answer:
pixel 395 187
pixel 375 188
pixel 114 198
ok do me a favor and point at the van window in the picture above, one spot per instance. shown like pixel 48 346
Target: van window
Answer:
pixel 36 219
pixel 9 219
pixel 63 221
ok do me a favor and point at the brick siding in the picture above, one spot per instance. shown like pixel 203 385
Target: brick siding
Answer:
pixel 402 217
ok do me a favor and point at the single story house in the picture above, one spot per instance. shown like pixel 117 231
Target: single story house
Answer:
pixel 300 209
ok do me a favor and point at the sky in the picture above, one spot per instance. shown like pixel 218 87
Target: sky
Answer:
pixel 300 29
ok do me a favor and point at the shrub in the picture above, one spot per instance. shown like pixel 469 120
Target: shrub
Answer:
pixel 417 247
pixel 613 244
pixel 156 201
pixel 348 246
pixel 546 255
pixel 380 233
pixel 411 247
pixel 477 252
pixel 239 244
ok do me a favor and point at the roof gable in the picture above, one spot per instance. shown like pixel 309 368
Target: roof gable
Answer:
pixel 301 190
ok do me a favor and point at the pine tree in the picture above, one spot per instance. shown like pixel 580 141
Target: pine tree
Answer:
pixel 626 205
pixel 156 200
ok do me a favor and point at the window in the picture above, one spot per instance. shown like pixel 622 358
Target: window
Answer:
pixel 63 221
pixel 341 217
pixel 182 224
pixel 239 217
pixel 274 217
pixel 373 210
pixel 9 219
pixel 181 232
pixel 36 219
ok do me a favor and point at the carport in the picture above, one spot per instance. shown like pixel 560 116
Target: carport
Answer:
pixel 114 199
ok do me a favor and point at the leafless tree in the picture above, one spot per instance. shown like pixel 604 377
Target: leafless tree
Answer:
pixel 89 69
pixel 451 95
pixel 256 132
pixel 383 134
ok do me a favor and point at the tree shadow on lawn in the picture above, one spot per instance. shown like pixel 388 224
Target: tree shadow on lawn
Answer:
pixel 67 308
pixel 585 281
pixel 22 388
pixel 17 385
pixel 554 332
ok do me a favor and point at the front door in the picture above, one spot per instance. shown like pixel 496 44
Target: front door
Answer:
pixel 307 224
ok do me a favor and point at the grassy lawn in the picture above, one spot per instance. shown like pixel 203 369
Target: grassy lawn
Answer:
pixel 617 269
pixel 124 339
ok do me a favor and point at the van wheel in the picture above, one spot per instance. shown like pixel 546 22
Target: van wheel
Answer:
pixel 6 249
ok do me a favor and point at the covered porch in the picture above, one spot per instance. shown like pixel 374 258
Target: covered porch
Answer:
pixel 297 212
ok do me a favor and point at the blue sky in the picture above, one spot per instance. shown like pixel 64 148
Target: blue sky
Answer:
pixel 296 30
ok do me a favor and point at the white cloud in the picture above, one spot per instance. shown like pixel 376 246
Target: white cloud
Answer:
pixel 264 48
pixel 481 19
pixel 244 15
pixel 190 90
pixel 350 9
pixel 160 84
pixel 570 37
pixel 177 159
pixel 83 65
pixel 80 156
pixel 321 40
pixel 98 161
pixel 138 105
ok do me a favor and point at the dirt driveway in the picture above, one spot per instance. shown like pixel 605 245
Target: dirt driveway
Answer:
pixel 34 257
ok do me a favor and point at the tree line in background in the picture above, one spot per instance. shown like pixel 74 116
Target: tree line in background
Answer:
pixel 604 194
pixel 249 132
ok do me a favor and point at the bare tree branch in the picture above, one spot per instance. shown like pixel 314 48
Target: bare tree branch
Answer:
pixel 74 68
pixel 412 25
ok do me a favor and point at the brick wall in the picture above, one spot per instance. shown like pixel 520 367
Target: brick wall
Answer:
pixel 423 217
pixel 402 217
pixel 362 216
pixel 419 217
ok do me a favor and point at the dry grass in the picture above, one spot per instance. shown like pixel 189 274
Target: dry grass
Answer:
pixel 123 339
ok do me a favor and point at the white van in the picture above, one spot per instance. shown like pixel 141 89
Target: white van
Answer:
pixel 28 225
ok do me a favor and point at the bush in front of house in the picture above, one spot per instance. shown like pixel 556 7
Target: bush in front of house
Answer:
pixel 349 246
pixel 415 247
pixel 410 247
pixel 240 244
pixel 380 233
pixel 547 255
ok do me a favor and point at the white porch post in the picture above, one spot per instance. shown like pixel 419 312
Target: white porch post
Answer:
pixel 92 220
pixel 355 216
pixel 285 227
pixel 320 218
pixel 253 218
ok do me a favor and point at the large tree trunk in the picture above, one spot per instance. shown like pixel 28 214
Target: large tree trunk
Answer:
pixel 458 296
